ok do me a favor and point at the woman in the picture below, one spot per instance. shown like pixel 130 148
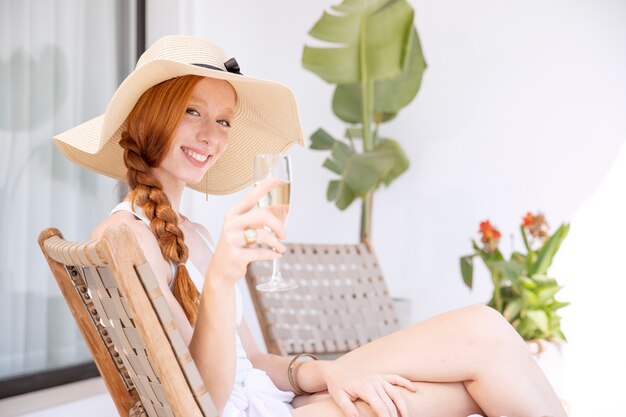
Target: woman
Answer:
pixel 187 117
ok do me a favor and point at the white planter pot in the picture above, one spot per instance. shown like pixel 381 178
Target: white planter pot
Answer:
pixel 549 356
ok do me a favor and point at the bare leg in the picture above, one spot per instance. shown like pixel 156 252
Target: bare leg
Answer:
pixel 430 400
pixel 472 345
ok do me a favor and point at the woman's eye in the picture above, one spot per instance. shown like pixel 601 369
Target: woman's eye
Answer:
pixel 192 112
pixel 224 122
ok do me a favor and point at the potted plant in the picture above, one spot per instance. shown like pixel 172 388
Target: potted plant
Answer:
pixel 522 290
pixel 376 62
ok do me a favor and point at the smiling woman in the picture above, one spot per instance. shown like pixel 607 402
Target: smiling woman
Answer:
pixel 180 126
pixel 175 123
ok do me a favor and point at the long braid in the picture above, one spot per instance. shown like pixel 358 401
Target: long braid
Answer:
pixel 145 143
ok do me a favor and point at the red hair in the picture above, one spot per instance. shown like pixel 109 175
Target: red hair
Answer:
pixel 150 130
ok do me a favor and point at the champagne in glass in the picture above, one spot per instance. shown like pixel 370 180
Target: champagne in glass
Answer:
pixel 277 201
pixel 266 167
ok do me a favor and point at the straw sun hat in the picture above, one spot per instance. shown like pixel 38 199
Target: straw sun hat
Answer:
pixel 266 117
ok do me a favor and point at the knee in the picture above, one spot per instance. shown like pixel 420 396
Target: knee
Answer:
pixel 484 313
pixel 490 325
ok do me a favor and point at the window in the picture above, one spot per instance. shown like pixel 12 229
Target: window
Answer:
pixel 60 63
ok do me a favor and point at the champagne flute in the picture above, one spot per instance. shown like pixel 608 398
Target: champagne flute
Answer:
pixel 269 166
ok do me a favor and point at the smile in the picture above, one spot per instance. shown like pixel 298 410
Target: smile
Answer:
pixel 196 156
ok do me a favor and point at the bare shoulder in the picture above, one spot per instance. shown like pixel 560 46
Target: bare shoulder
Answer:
pixel 138 227
pixel 203 231
pixel 147 242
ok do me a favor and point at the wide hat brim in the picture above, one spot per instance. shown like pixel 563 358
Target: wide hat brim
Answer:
pixel 266 120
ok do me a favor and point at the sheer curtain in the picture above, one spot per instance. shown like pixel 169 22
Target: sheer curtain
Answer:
pixel 60 62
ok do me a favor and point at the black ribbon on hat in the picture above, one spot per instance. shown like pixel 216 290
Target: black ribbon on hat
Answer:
pixel 231 66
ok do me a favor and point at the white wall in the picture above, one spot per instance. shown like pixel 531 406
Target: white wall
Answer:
pixel 523 107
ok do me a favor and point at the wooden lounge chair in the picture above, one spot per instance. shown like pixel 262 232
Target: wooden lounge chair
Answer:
pixel 341 302
pixel 122 315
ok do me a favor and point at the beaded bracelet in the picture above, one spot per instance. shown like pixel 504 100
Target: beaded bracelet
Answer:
pixel 290 373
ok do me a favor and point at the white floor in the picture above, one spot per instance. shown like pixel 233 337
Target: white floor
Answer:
pixel 79 399
pixel 96 406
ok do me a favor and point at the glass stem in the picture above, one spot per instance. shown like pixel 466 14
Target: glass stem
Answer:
pixel 276 271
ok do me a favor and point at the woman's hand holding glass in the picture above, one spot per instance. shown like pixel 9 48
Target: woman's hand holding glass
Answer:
pixel 380 392
pixel 234 252
pixel 269 166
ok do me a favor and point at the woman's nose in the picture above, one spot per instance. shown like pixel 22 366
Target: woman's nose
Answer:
pixel 208 133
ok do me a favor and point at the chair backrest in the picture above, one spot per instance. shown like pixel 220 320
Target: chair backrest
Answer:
pixel 127 325
pixel 341 302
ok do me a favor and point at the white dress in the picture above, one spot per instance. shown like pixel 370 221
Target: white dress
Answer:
pixel 254 394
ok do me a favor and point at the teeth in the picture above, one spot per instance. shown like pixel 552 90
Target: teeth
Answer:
pixel 195 155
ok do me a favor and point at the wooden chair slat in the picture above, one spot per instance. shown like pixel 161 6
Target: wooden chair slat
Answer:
pixel 117 304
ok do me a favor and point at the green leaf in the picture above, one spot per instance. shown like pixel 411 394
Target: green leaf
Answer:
pixel 334 65
pixel 544 279
pixel 333 190
pixel 489 258
pixel 394 152
pixel 337 28
pixel 345 196
pixel 555 305
pixel 332 165
pixel 340 153
pixel 530 298
pixel 539 318
pixel 361 173
pixel 509 269
pixel 520 258
pixel 547 292
pixel 546 253
pixel 322 140
pixel 377 42
pixel 527 283
pixel 387 32
pixel 467 270
pixel 512 309
pixel 382 117
pixel 347 105
pixel 354 133
pixel 527 328
pixel 391 95
pixel 364 172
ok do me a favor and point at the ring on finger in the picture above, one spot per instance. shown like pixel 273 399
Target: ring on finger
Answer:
pixel 250 236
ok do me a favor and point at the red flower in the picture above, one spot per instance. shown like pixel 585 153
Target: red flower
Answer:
pixel 527 220
pixel 490 236
pixel 536 225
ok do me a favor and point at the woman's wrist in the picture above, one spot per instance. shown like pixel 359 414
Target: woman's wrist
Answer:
pixel 311 375
pixel 215 282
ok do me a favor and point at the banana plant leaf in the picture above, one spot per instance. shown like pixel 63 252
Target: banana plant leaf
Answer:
pixel 322 140
pixel 369 37
pixel 363 172
pixel 390 95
